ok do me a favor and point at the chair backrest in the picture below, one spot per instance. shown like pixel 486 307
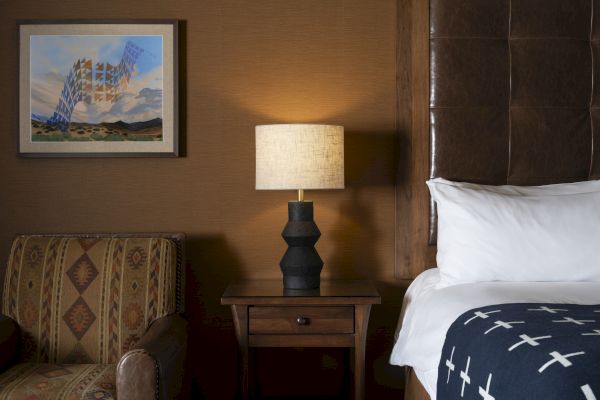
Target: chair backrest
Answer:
pixel 89 298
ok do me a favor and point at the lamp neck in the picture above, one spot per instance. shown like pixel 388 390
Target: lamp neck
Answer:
pixel 300 210
pixel 300 194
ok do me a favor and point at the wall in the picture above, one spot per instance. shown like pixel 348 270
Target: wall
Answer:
pixel 243 63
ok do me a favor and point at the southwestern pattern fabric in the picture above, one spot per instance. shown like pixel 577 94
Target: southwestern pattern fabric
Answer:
pixel 58 382
pixel 522 351
pixel 83 301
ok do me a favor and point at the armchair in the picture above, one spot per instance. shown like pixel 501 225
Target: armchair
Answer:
pixel 93 317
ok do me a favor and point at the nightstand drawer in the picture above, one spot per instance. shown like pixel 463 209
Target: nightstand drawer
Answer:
pixel 303 320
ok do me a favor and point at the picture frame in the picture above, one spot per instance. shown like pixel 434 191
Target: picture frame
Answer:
pixel 98 88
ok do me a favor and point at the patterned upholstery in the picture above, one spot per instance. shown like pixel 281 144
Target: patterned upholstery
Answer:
pixel 85 301
pixel 31 381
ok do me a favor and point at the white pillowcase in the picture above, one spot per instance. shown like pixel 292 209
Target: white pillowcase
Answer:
pixel 549 190
pixel 511 233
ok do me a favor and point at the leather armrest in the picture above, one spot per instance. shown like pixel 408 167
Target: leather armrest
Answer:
pixel 154 368
pixel 9 342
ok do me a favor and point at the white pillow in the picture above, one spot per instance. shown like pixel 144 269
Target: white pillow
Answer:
pixel 484 235
pixel 549 190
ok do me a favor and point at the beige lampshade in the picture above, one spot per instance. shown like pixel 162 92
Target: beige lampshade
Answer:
pixel 299 156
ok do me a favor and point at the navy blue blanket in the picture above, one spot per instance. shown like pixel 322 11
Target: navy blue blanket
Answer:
pixel 522 351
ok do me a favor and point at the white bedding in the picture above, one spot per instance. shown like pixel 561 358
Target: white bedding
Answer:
pixel 541 235
pixel 428 313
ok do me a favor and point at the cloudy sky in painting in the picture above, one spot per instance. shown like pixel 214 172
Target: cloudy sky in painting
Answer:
pixel 53 56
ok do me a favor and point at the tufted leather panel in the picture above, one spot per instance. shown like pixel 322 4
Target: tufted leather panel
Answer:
pixel 512 94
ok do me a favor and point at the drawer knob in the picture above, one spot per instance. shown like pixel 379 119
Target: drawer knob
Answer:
pixel 302 320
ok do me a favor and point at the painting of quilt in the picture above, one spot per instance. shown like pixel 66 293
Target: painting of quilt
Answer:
pixel 97 88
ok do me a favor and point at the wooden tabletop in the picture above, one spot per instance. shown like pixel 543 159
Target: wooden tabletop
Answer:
pixel 271 291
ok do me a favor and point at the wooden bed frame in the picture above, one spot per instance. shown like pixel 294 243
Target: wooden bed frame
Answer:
pixel 486 96
pixel 414 390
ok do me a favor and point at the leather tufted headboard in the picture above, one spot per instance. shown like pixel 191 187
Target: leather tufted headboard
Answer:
pixel 514 93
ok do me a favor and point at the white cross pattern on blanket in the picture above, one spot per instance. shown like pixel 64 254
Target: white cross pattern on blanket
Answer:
pixel 575 321
pixel 464 375
pixel 563 360
pixel 547 309
pixel 505 325
pixel 595 333
pixel 485 394
pixel 526 339
pixel 482 315
pixel 587 391
pixel 450 365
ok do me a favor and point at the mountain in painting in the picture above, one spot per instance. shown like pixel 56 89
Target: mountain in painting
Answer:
pixel 135 126
pixel 119 131
pixel 39 118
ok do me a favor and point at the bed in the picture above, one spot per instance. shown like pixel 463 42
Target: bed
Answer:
pixel 430 312
pixel 512 101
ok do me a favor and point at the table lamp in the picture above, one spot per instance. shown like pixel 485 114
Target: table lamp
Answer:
pixel 300 157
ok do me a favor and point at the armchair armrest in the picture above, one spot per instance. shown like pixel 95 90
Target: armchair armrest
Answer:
pixel 154 368
pixel 9 341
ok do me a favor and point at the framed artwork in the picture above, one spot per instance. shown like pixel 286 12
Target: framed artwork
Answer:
pixel 98 89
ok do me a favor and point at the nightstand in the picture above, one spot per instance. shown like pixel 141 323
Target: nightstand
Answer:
pixel 336 315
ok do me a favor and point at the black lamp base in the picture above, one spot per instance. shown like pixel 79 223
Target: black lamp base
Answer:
pixel 301 282
pixel 301 264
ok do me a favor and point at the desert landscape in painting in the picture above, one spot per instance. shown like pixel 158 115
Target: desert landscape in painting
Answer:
pixel 109 132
